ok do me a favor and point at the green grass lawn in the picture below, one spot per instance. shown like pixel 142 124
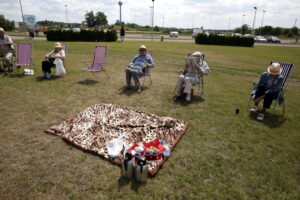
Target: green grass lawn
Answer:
pixel 221 156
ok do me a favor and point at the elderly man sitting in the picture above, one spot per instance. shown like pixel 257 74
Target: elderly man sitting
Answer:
pixel 194 67
pixel 6 50
pixel 138 67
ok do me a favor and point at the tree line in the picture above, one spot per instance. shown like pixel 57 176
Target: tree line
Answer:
pixel 268 30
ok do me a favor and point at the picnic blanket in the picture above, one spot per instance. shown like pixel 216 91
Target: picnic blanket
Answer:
pixel 94 127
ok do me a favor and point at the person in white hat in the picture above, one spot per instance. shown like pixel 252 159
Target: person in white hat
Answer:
pixel 6 50
pixel 267 88
pixel 53 58
pixel 137 68
pixel 194 67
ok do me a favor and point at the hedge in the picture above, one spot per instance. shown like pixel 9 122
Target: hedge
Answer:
pixel 83 35
pixel 223 40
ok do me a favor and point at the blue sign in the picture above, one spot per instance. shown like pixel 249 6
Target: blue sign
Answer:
pixel 29 20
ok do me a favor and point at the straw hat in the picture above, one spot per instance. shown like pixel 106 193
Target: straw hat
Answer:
pixel 143 47
pixel 57 45
pixel 197 53
pixel 274 69
pixel 2 30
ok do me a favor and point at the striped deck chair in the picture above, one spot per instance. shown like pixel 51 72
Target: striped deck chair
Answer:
pixel 286 70
pixel 97 62
pixel 147 72
pixel 24 55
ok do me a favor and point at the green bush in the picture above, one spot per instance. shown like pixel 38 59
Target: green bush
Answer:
pixel 83 35
pixel 223 40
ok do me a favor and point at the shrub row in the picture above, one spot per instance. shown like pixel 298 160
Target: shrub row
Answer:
pixel 224 40
pixel 83 35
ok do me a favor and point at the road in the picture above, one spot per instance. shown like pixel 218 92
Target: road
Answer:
pixel 167 38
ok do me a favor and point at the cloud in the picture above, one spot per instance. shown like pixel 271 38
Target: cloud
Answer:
pixel 214 14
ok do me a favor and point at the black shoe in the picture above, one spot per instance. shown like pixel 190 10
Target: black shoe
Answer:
pixel 127 87
pixel 185 102
pixel 176 98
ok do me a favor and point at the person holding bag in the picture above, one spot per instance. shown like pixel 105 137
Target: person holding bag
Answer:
pixel 54 59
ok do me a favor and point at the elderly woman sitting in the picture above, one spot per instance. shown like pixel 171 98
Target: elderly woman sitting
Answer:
pixel 267 88
pixel 54 59
pixel 195 67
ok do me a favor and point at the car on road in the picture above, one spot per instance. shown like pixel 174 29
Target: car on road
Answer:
pixel 173 33
pixel 196 31
pixel 260 38
pixel 248 35
pixel 273 39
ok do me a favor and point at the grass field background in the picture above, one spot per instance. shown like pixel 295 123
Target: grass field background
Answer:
pixel 221 156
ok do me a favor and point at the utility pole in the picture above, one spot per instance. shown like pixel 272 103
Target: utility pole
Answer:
pixel 295 22
pixel 262 22
pixel 255 8
pixel 152 20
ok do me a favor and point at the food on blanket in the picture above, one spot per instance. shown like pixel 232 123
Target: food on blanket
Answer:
pixel 152 149
pixel 139 149
pixel 169 123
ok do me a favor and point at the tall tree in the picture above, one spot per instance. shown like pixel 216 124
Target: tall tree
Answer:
pixel 90 19
pixel 100 19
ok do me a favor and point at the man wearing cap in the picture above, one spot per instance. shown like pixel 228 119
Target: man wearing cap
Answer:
pixel 194 67
pixel 6 50
pixel 137 68
pixel 55 56
pixel 267 88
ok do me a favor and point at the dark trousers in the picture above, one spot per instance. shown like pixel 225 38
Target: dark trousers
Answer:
pixel 268 98
pixel 47 65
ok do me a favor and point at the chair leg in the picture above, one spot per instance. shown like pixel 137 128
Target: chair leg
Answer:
pixel 106 74
pixel 247 109
pixel 144 79
pixel 150 80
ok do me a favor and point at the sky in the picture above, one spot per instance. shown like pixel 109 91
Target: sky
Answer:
pixel 211 14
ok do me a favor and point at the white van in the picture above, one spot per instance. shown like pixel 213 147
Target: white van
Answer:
pixel 196 31
pixel 173 33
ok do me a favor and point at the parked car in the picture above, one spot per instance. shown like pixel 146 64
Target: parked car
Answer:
pixel 236 35
pixel 173 33
pixel 273 39
pixel 196 31
pixel 248 35
pixel 76 30
pixel 260 38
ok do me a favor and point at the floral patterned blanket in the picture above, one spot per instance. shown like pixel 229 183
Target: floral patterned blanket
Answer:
pixel 94 127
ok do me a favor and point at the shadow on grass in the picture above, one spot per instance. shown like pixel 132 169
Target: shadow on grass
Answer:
pixel 130 91
pixel 135 185
pixel 194 100
pixel 88 82
pixel 270 120
pixel 16 76
pixel 39 78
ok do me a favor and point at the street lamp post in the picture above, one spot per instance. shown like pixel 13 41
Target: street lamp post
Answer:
pixel 229 24
pixel 243 20
pixel 262 20
pixel 255 8
pixel 120 4
pixel 152 20
pixel 23 18
pixel 67 15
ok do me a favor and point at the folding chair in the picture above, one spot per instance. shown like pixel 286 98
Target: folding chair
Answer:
pixel 147 72
pixel 286 69
pixel 201 77
pixel 24 53
pixel 97 62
